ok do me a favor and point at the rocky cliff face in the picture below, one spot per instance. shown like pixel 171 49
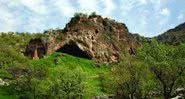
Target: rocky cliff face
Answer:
pixel 173 36
pixel 91 37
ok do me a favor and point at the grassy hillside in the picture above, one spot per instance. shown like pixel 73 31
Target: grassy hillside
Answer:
pixel 87 66
pixel 67 61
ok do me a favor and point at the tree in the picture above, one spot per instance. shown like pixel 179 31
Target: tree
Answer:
pixel 31 82
pixel 10 59
pixel 128 78
pixel 68 84
pixel 24 80
pixel 93 14
pixel 78 15
pixel 37 80
pixel 13 65
pixel 167 63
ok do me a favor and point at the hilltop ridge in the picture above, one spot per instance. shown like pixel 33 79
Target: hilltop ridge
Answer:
pixel 173 36
pixel 91 37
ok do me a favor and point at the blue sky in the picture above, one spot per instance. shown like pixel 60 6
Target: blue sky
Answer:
pixel 146 17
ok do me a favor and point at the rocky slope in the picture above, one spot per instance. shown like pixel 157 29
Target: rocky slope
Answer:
pixel 173 36
pixel 92 37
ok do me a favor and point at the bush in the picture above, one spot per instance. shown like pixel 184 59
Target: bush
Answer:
pixel 78 15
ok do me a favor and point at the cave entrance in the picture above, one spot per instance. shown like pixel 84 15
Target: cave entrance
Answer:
pixel 73 49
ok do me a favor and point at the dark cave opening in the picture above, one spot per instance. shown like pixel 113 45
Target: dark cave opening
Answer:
pixel 41 52
pixel 74 50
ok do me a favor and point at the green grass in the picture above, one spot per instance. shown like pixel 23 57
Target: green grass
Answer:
pixel 4 95
pixel 68 61
pixel 71 62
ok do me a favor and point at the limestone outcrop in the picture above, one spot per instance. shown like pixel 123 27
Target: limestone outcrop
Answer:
pixel 91 37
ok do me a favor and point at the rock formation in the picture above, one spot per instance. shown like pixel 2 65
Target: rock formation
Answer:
pixel 173 36
pixel 91 37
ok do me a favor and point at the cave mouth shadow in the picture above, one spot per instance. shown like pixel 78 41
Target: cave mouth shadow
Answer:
pixel 72 49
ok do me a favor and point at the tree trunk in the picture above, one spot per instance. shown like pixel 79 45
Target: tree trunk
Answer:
pixel 132 96
pixel 165 93
pixel 34 94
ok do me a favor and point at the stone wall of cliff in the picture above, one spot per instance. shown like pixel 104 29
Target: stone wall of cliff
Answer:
pixel 92 37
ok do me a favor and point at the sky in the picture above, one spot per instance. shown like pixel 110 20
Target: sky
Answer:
pixel 146 17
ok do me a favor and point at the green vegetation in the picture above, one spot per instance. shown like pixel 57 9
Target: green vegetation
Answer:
pixel 78 15
pixel 38 78
pixel 167 64
pixel 129 79
pixel 155 72
pixel 46 76
pixel 72 63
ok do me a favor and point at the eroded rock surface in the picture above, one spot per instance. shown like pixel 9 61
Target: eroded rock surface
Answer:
pixel 93 37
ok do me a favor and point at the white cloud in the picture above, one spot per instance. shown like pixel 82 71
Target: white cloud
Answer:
pixel 65 7
pixel 143 1
pixel 165 12
pixel 35 24
pixel 128 6
pixel 181 17
pixel 110 6
pixel 158 4
pixel 144 18
pixel 8 21
pixel 36 6
pixel 43 14
pixel 88 6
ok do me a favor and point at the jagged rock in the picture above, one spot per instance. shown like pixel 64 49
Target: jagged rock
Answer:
pixel 93 37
